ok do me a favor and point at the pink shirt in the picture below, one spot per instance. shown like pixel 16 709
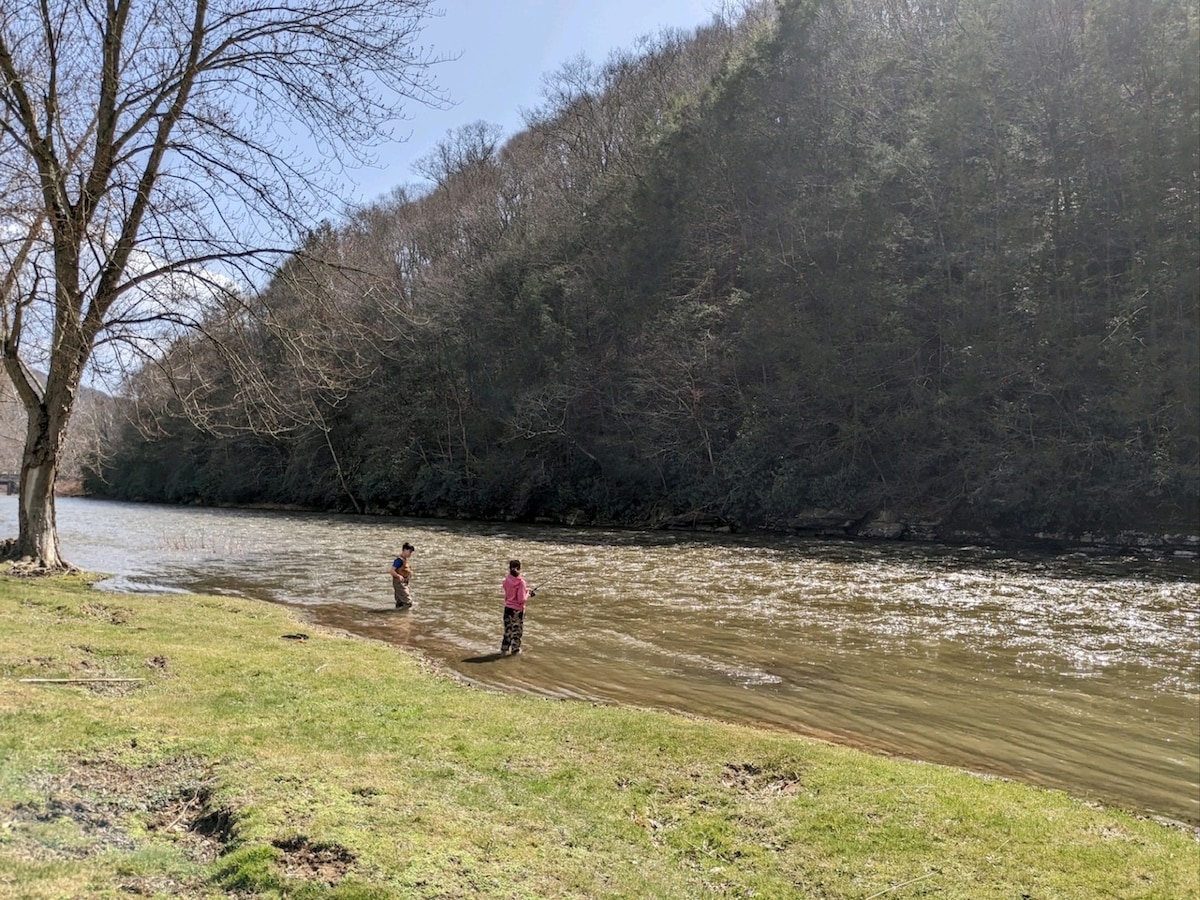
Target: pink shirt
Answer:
pixel 514 592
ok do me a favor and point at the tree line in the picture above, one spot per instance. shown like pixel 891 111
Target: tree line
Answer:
pixel 822 260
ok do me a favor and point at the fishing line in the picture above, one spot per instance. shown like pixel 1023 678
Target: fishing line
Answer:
pixel 537 587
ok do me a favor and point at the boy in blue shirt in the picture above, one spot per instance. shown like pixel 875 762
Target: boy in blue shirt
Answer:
pixel 401 575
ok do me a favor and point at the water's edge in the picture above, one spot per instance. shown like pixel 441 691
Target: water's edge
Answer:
pixel 1069 670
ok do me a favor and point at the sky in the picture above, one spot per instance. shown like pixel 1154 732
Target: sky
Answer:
pixel 497 54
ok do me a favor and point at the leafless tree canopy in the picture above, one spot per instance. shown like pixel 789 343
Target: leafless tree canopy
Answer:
pixel 148 169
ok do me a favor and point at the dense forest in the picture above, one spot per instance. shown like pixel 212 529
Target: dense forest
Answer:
pixel 884 267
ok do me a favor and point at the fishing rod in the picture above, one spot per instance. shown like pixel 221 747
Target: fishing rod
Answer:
pixel 537 587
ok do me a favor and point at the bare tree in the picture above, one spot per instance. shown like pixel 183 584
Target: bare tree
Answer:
pixel 148 174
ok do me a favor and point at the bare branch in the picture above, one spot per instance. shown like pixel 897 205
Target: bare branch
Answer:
pixel 147 178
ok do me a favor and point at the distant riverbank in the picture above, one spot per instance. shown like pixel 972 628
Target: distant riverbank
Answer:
pixel 1172 537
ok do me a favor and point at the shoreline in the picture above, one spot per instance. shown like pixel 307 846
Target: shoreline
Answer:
pixel 874 527
pixel 237 756
pixel 436 668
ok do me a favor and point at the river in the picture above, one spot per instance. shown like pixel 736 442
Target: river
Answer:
pixel 1061 670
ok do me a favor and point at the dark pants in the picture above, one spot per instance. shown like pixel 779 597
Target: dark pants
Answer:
pixel 514 626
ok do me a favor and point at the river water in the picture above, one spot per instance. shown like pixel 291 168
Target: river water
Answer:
pixel 1064 671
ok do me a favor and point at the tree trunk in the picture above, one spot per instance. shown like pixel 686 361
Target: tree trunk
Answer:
pixel 37 539
pixel 48 411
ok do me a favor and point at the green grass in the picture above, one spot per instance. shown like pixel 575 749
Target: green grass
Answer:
pixel 249 764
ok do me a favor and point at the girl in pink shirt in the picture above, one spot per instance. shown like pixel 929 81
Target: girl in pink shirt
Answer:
pixel 515 594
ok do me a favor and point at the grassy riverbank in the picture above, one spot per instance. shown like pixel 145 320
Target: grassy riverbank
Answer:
pixel 235 757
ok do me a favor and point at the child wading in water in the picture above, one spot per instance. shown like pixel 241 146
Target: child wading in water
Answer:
pixel 401 576
pixel 515 594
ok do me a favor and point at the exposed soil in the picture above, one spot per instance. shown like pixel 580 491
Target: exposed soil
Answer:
pixel 27 567
pixel 88 671
pixel 113 806
pixel 752 779
pixel 314 862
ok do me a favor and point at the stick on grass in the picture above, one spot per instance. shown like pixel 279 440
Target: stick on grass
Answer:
pixel 74 680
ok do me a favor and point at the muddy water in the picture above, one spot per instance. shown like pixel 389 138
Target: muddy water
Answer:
pixel 1063 671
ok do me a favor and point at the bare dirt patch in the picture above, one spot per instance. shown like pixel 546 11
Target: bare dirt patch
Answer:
pixel 752 779
pixel 115 615
pixel 27 567
pixel 314 861
pixel 102 803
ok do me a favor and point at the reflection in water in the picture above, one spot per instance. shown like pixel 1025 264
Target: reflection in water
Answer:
pixel 1059 670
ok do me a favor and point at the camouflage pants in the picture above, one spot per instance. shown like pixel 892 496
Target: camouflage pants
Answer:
pixel 514 626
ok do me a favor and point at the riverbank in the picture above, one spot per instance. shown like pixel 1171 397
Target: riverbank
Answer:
pixel 189 745
pixel 1161 536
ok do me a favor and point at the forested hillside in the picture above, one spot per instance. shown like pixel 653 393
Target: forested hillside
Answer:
pixel 864 265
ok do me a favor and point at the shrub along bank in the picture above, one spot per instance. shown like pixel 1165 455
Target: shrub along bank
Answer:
pixel 202 746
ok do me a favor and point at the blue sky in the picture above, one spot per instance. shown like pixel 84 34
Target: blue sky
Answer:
pixel 504 48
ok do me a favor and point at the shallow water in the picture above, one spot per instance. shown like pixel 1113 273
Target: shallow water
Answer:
pixel 1063 671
